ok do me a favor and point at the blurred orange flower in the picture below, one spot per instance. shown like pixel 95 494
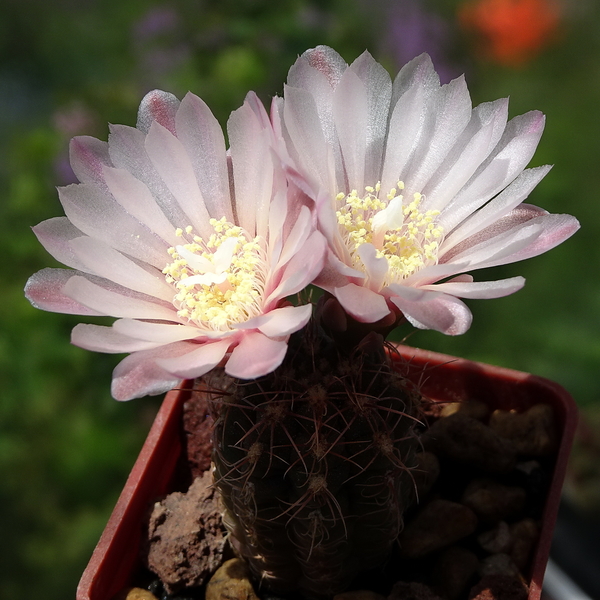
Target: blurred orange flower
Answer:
pixel 511 32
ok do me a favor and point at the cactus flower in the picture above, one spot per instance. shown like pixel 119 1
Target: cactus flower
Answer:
pixel 191 247
pixel 413 186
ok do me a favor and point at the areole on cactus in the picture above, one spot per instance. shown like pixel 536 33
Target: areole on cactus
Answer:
pixel 384 194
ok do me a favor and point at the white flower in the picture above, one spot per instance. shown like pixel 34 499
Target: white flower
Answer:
pixel 193 248
pixel 413 186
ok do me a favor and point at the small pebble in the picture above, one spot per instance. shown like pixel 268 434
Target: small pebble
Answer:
pixel 470 442
pixel 532 432
pixel 453 571
pixel 472 408
pixel 135 594
pixel 493 501
pixel 496 540
pixel 499 587
pixel 438 524
pixel 231 582
pixel 525 534
pixel 498 564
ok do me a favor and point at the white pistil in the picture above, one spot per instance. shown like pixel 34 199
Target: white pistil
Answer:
pixel 400 232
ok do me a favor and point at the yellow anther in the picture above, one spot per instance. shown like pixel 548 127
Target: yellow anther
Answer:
pixel 406 246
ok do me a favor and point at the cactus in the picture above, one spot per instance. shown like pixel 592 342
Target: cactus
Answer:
pixel 313 462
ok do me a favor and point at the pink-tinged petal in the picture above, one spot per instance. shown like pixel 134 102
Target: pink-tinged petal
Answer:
pixel 308 143
pixel 88 156
pixel 479 290
pixel 350 107
pixel 299 271
pixel 202 137
pixel 199 359
pixel 157 333
pixel 448 117
pixel 279 322
pixel 102 260
pixel 128 151
pixel 377 267
pixel 97 214
pixel 508 159
pixel 552 231
pixel 432 310
pixel 497 208
pixel 255 355
pixel 112 303
pixel 157 106
pixel 378 87
pixel 325 60
pixel 252 170
pixel 139 374
pixel 55 235
pixel 361 303
pixel 173 164
pixel 44 290
pixel 98 338
pixel 434 273
pixel 474 144
pixel 297 237
pixel 406 124
pixel 135 197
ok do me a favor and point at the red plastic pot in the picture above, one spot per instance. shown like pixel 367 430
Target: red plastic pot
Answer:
pixel 440 377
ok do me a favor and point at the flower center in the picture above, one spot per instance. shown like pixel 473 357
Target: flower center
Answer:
pixel 408 238
pixel 220 281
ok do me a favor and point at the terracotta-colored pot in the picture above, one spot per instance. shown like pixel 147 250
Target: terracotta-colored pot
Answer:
pixel 116 557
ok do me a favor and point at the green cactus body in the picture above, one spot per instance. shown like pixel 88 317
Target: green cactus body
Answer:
pixel 313 463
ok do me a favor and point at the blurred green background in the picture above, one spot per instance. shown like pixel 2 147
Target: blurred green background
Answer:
pixel 69 67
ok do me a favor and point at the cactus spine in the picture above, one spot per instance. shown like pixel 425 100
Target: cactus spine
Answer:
pixel 313 462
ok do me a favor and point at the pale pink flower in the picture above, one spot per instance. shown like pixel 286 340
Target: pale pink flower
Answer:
pixel 192 247
pixel 414 187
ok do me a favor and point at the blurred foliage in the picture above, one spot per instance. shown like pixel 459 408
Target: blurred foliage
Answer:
pixel 68 67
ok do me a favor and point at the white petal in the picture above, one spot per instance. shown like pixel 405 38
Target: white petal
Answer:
pixel 432 310
pixel 378 87
pixel 139 375
pixel 483 289
pixel 279 322
pixel 158 333
pixel 255 355
pixel 44 290
pixel 157 106
pixel 202 137
pixel 55 235
pixel 473 146
pixel 508 159
pixel 200 359
pixel 88 157
pixel 449 113
pixel 350 118
pixel 377 267
pixel 127 151
pixel 104 261
pixel 252 170
pixel 112 303
pixel 98 338
pixel 507 200
pixel 135 197
pixel 361 303
pixel 173 164
pixel 97 214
